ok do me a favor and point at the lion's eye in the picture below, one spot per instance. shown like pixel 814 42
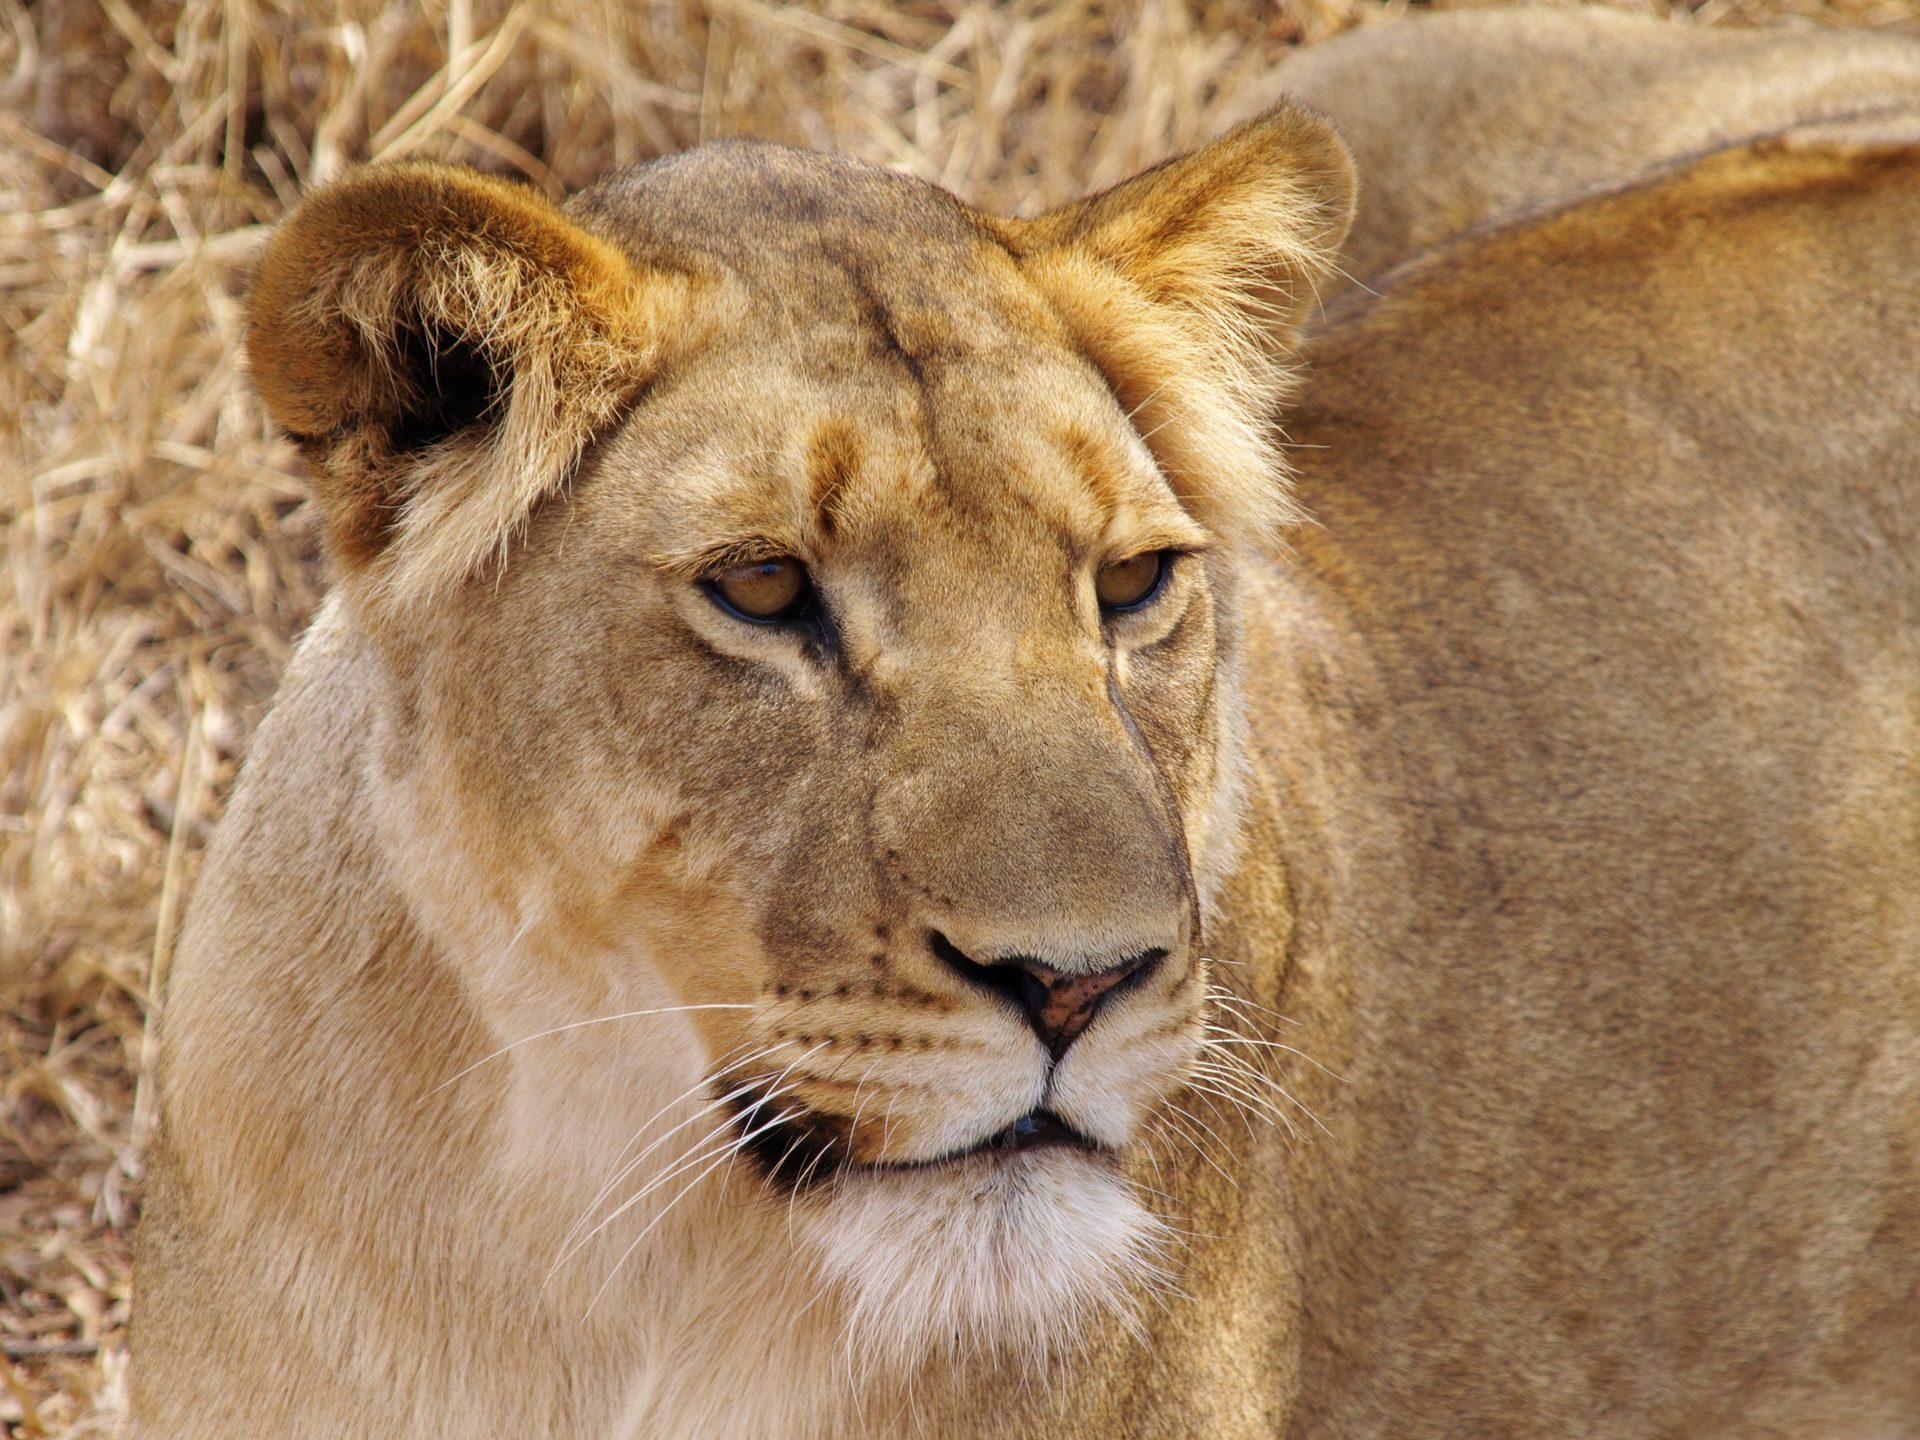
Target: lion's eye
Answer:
pixel 765 591
pixel 1130 583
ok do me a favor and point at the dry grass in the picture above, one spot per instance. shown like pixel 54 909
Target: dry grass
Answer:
pixel 160 555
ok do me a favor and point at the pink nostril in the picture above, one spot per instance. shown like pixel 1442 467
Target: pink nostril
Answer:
pixel 1067 1002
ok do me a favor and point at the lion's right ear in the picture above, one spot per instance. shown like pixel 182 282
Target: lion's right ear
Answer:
pixel 442 344
pixel 1185 284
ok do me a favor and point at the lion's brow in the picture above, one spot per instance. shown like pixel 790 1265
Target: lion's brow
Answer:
pixel 694 562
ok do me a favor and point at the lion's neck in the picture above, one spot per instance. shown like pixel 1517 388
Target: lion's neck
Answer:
pixel 732 1337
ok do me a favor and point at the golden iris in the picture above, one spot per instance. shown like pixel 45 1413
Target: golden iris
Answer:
pixel 764 590
pixel 1125 583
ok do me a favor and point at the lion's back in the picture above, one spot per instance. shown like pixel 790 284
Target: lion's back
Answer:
pixel 1458 119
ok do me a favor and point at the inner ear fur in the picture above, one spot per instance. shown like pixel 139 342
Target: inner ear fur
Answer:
pixel 442 344
pixel 1186 284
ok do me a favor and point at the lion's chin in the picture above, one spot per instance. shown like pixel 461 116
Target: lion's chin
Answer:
pixel 1013 1252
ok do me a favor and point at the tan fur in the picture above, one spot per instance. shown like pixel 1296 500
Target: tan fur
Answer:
pixel 1557 785
pixel 1462 118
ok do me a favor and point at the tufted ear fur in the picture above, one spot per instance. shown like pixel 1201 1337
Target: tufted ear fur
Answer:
pixel 1185 285
pixel 442 344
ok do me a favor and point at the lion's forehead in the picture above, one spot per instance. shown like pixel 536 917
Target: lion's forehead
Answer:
pixel 1011 460
pixel 889 399
pixel 888 369
pixel 1018 461
pixel 823 238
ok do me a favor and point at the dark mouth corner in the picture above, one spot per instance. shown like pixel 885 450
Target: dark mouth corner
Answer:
pixel 793 1152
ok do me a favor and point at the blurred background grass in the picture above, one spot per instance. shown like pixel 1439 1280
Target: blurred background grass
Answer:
pixel 160 554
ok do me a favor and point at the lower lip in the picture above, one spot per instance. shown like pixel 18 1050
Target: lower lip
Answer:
pixel 1034 1132
pixel 1029 1132
pixel 1038 1131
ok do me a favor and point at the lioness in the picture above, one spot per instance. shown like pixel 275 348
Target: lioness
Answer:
pixel 766 904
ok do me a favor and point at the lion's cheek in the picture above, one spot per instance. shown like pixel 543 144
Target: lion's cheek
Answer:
pixel 1172 694
pixel 1173 708
pixel 616 911
pixel 695 935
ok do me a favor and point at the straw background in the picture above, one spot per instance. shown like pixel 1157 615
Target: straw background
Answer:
pixel 160 554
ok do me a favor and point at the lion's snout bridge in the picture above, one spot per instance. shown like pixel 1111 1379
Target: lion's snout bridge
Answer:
pixel 1033 847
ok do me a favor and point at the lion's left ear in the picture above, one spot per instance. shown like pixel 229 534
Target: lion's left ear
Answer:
pixel 1185 286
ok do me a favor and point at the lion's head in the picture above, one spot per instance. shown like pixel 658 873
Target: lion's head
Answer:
pixel 808 601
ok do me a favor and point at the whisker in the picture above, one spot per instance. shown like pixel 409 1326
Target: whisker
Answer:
pixel 1234 1037
pixel 625 1167
pixel 1224 1147
pixel 755 1108
pixel 1233 1000
pixel 731 1060
pixel 1224 1067
pixel 1153 1159
pixel 1146 435
pixel 576 1025
pixel 1241 1006
pixel 1146 400
pixel 1204 1083
pixel 692 1155
pixel 1173 1116
pixel 1246 1104
pixel 853 1126
pixel 729 1145
pixel 667 1210
pixel 805 1176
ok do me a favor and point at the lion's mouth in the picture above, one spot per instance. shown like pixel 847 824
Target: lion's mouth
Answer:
pixel 800 1150
pixel 1033 1131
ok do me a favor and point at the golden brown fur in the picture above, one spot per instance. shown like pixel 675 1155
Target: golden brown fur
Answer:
pixel 1557 783
pixel 1457 119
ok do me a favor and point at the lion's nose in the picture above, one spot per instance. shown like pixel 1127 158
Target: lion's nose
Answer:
pixel 1059 1004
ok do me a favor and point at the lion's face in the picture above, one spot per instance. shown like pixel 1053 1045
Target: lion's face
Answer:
pixel 950 785
pixel 869 692
pixel 928 821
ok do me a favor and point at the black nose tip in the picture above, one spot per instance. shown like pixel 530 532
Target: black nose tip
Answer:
pixel 1059 1004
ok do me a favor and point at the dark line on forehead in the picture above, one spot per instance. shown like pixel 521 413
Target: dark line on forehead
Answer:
pixel 874 310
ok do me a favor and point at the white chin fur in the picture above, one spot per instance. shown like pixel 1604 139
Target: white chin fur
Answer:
pixel 1003 1254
